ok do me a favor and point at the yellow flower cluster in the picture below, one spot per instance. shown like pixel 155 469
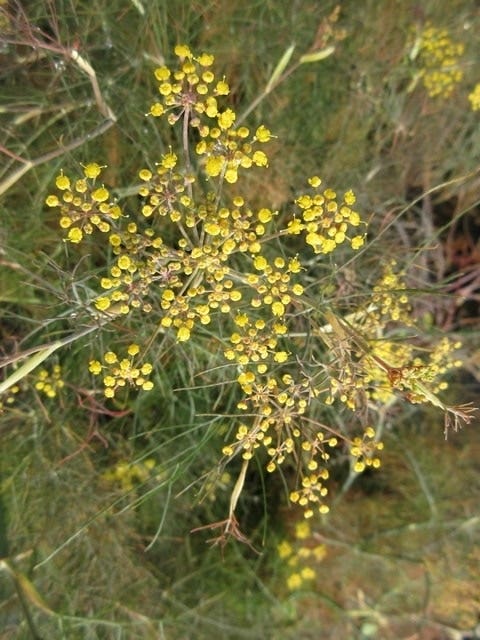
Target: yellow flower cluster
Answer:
pixel 440 58
pixel 345 381
pixel 128 475
pixel 49 382
pixel 311 494
pixel 192 88
pixel 118 373
pixel 46 382
pixel 83 205
pixel 384 368
pixel 140 262
pixel 363 450
pixel 191 92
pixel 196 279
pixel 393 369
pixel 474 98
pixel 326 222
pixel 8 399
pixel 301 557
pixel 389 302
pixel 353 383
pixel 390 367
pixel 227 149
pixel 385 355
pixel 197 255
pixel 278 402
pixel 199 269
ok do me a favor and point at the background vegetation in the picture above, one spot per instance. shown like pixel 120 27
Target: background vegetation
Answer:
pixel 97 505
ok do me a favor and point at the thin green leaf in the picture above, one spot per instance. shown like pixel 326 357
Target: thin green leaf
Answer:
pixel 30 365
pixel 26 587
pixel 40 354
pixel 317 55
pixel 414 51
pixel 280 68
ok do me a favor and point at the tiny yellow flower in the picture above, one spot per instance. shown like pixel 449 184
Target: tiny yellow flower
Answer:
pixel 226 119
pixel 52 201
pixel 243 132
pixel 265 215
pixel 183 334
pixel 62 182
pixel 92 170
pixel 222 88
pixel 169 160
pixel 81 186
pixel 100 195
pixel 284 549
pixel 262 134
pixel 260 263
pixel 124 262
pixel 278 308
pixel 260 159
pixel 110 357
pixel 231 175
pixel 183 51
pixel 307 573
pixel 102 303
pixel 295 226
pixel 241 320
pixel 214 166
pixel 157 110
pixel 94 367
pixel 246 378
pixel 165 89
pixel 212 228
pixel 168 295
pixel 302 530
pixel 314 181
pixel 211 108
pixel 294 581
pixel 145 175
pixel 319 552
pixel 357 242
pixel 205 60
pixel 474 98
pixel 162 73
pixel 359 466
pixel 75 235
pixel 133 349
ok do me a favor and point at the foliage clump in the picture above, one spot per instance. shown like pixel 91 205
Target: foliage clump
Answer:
pixel 439 61
pixel 199 261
